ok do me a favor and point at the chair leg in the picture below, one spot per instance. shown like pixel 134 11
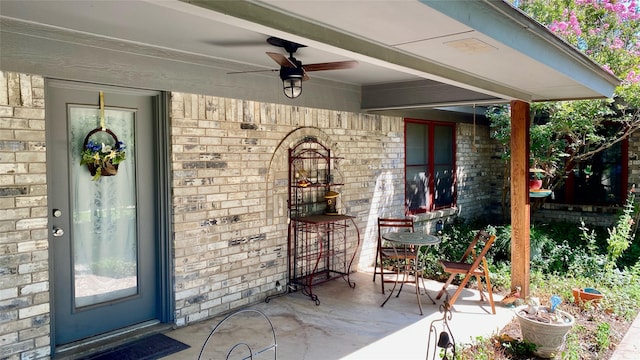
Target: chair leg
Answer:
pixel 378 269
pixel 479 280
pixel 446 284
pixel 459 289
pixel 375 264
pixel 490 291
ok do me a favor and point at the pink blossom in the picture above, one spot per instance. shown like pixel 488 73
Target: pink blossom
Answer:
pixel 607 69
pixel 632 77
pixel 617 44
pixel 563 25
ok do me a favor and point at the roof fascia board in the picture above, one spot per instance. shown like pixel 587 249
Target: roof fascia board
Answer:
pixel 419 94
pixel 510 26
pixel 357 48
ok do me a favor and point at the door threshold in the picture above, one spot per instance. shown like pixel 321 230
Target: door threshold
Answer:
pixel 95 344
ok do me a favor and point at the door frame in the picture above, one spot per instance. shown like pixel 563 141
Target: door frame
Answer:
pixel 162 189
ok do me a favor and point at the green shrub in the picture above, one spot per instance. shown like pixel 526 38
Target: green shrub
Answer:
pixel 603 334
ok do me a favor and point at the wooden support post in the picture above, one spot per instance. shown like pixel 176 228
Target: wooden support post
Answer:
pixel 520 218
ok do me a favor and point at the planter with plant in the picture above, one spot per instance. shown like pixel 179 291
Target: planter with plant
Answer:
pixel 581 295
pixel 546 327
pixel 535 178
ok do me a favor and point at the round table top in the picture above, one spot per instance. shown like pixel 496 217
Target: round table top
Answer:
pixel 411 238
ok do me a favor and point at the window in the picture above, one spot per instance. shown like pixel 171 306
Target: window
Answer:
pixel 602 180
pixel 429 166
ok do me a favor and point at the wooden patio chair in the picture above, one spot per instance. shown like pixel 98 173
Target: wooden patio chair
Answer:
pixel 388 253
pixel 471 264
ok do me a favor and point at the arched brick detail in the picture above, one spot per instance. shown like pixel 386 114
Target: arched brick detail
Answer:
pixel 278 171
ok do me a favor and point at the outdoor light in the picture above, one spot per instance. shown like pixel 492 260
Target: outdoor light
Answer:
pixel 291 81
pixel 439 227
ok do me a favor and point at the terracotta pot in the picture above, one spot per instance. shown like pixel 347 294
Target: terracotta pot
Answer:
pixel 586 294
pixel 549 337
pixel 535 184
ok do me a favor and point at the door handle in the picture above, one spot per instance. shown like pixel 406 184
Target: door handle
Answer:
pixel 57 232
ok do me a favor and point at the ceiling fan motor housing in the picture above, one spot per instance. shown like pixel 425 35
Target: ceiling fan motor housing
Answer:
pixel 292 72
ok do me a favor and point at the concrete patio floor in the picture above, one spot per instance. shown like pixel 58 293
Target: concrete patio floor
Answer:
pixel 350 324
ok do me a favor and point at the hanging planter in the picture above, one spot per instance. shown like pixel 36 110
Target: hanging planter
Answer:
pixel 535 184
pixel 102 159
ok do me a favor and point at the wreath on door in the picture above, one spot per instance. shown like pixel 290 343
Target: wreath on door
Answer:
pixel 101 158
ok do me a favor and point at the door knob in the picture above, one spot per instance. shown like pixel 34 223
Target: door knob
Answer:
pixel 57 232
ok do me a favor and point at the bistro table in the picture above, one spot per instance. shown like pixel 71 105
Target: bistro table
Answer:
pixel 401 241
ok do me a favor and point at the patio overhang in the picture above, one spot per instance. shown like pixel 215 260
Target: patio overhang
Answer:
pixel 412 55
pixel 450 52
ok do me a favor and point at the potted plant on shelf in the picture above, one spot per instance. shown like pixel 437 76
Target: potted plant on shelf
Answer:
pixel 547 327
pixel 535 178
pixel 535 183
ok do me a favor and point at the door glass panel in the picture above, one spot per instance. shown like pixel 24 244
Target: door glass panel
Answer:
pixel 104 243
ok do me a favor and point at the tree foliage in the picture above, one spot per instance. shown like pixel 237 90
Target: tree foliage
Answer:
pixel 564 133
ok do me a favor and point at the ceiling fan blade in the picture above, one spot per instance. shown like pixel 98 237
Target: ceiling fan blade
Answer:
pixel 305 77
pixel 251 71
pixel 338 65
pixel 281 60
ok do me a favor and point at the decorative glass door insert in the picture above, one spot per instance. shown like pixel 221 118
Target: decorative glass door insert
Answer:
pixel 104 232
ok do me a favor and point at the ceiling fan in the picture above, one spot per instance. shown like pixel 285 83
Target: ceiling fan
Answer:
pixel 292 71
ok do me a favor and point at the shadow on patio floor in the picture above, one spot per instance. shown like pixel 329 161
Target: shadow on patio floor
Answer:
pixel 350 324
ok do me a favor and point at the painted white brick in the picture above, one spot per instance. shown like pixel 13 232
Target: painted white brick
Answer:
pixel 33 311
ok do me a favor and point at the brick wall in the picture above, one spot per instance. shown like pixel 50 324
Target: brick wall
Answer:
pixel 230 168
pixel 24 263
pixel 229 197
pixel 480 174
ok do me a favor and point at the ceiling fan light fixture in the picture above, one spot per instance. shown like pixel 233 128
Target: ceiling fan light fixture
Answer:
pixel 292 87
pixel 291 81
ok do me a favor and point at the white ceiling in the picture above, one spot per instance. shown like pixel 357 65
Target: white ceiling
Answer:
pixel 395 42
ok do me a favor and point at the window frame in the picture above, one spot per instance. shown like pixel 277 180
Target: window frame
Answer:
pixel 431 165
pixel 569 187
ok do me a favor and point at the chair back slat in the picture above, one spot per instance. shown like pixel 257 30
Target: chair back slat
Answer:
pixel 395 223
pixel 480 235
pixel 488 242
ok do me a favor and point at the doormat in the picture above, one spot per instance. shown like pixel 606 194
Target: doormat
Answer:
pixel 149 348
